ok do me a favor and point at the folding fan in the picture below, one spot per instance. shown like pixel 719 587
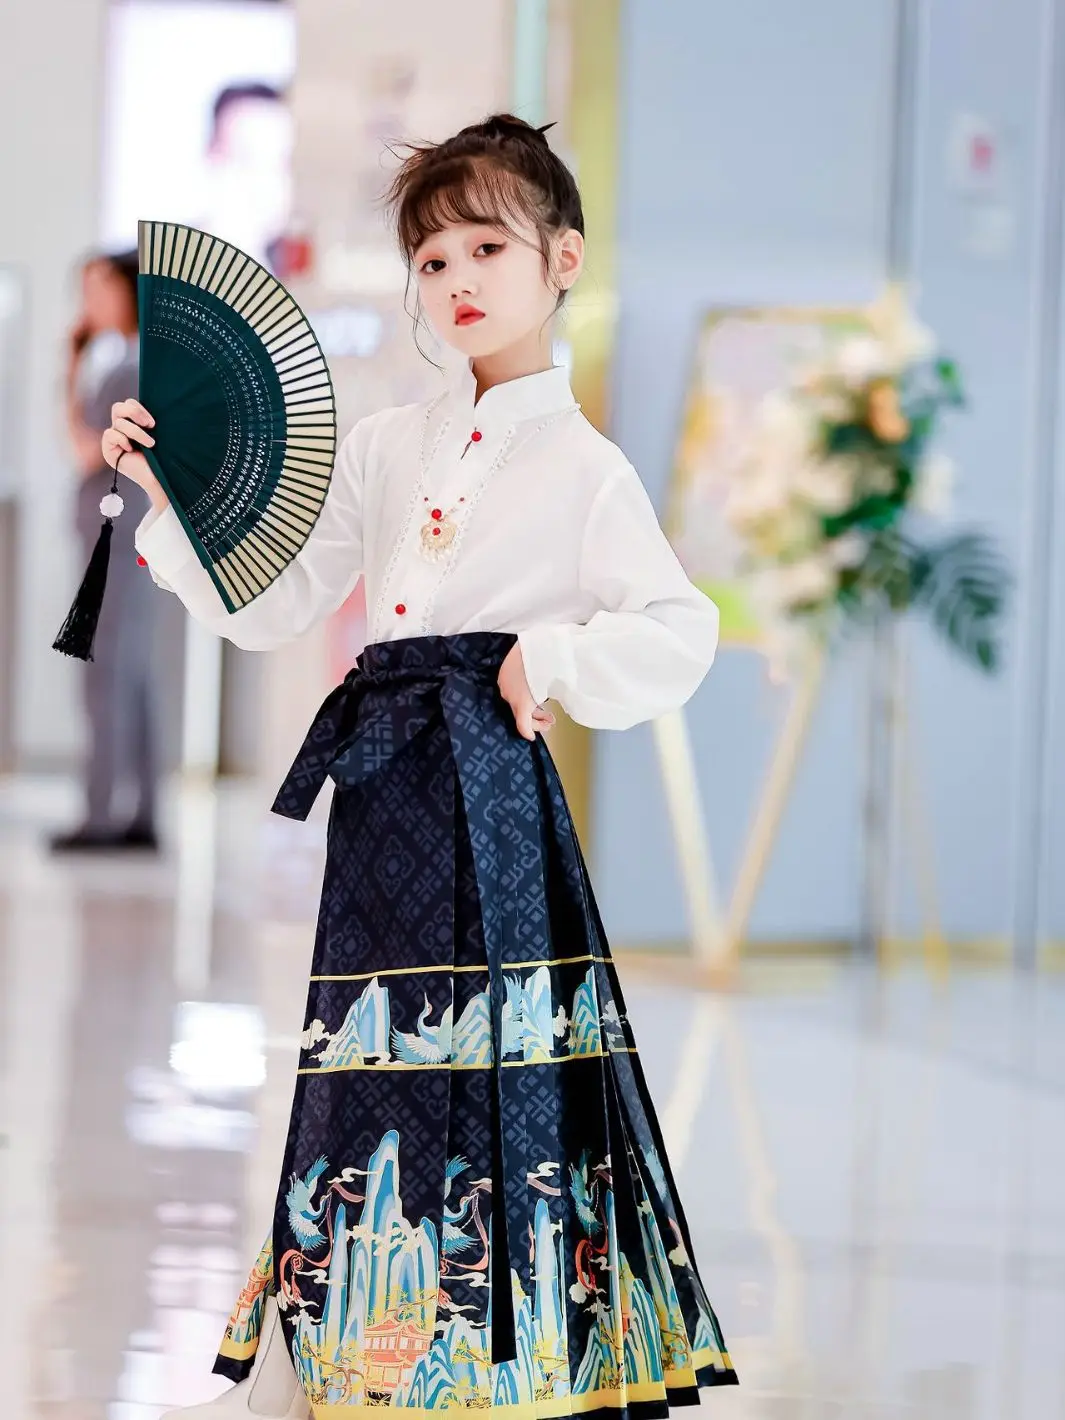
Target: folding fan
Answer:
pixel 245 417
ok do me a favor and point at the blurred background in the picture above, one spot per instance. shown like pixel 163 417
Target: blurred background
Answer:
pixel 832 883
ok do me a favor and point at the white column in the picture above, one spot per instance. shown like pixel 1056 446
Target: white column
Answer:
pixel 51 89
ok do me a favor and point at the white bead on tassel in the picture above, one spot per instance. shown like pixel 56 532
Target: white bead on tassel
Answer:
pixel 111 505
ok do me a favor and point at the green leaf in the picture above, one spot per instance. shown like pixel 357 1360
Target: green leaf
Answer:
pixel 879 510
pixel 888 572
pixel 963 584
pixel 950 381
pixel 853 439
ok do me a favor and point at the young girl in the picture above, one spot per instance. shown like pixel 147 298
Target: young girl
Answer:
pixel 475 1206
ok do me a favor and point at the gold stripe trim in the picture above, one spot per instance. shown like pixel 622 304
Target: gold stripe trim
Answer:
pixel 552 961
pixel 448 1065
pixel 545 1409
pixel 239 1350
pixel 455 970
pixel 399 971
pixel 674 1380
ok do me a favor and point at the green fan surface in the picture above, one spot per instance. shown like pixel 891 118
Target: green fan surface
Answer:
pixel 219 409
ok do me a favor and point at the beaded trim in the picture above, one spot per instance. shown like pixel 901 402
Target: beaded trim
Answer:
pixel 417 498
pixel 423 466
pixel 497 463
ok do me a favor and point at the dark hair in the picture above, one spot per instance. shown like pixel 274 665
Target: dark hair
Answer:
pixel 234 94
pixel 123 264
pixel 498 172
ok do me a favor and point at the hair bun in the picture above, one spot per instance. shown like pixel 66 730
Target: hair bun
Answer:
pixel 507 125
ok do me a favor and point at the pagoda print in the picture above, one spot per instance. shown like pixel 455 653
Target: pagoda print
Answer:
pixel 389 1334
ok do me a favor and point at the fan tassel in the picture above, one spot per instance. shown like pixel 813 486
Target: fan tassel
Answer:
pixel 78 632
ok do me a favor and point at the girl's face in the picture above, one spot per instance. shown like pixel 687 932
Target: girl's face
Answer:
pixel 484 289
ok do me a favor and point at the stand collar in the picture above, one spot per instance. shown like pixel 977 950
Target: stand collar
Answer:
pixel 528 397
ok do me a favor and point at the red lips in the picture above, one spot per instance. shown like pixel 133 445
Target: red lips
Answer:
pixel 467 315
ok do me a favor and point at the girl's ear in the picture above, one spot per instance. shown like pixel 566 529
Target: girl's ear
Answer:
pixel 569 258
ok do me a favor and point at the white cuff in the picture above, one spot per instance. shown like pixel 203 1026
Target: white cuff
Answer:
pixel 161 541
pixel 550 665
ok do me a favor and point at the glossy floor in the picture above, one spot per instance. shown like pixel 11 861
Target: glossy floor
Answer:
pixel 874 1167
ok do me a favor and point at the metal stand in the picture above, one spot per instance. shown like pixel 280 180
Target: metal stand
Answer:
pixel 773 800
pixel 677 766
pixel 717 935
pixel 880 749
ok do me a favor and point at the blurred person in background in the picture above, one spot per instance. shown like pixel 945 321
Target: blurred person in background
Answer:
pixel 101 369
pixel 248 176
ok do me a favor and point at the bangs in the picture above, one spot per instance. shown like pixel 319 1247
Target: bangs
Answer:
pixel 464 189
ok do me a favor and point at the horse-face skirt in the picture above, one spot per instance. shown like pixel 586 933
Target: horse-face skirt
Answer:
pixel 475 1208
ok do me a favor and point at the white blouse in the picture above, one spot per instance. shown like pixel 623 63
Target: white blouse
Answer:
pixel 542 528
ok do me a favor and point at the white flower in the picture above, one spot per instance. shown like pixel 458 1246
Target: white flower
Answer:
pixel 772 591
pixel 834 406
pixel 827 484
pixel 753 499
pixel 903 338
pixel 861 358
pixel 794 530
pixel 806 583
pixel 848 550
pixel 934 485
pixel 785 428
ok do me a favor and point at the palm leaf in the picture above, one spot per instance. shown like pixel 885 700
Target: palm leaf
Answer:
pixel 885 579
pixel 963 585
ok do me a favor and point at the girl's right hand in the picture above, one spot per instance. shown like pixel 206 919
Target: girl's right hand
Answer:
pixel 130 422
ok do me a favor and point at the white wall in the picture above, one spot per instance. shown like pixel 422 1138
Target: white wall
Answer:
pixel 51 81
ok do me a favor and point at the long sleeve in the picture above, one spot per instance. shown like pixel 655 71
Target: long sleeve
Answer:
pixel 318 581
pixel 653 640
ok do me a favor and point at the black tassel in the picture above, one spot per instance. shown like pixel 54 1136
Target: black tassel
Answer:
pixel 78 632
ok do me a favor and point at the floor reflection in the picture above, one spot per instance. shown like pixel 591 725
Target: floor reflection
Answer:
pixel 872 1164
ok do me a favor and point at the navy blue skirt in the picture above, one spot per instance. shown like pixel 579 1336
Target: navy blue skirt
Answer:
pixel 476 1208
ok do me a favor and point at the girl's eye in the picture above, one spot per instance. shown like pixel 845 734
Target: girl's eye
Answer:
pixel 432 266
pixel 489 248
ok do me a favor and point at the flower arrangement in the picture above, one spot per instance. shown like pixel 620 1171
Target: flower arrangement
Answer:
pixel 838 473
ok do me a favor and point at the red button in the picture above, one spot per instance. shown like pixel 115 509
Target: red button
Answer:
pixel 437 514
pixel 141 562
pixel 401 610
pixel 476 436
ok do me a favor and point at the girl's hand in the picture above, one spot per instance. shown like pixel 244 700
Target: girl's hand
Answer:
pixel 529 717
pixel 130 422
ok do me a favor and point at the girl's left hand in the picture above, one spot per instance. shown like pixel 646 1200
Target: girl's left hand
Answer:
pixel 529 717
